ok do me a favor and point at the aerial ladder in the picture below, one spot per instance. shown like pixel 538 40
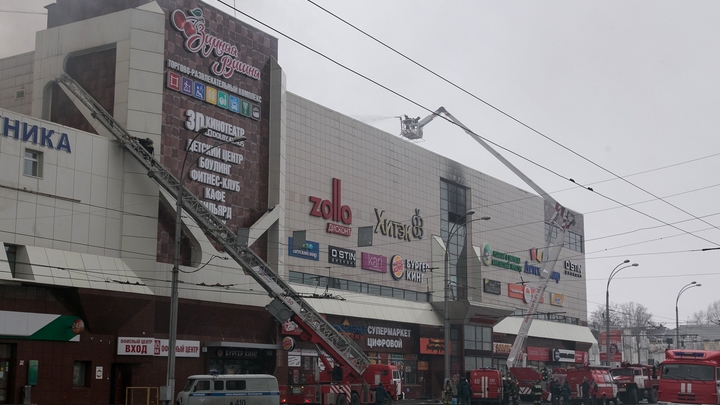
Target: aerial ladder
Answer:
pixel 562 219
pixel 286 303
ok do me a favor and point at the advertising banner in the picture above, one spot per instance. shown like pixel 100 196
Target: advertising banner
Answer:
pixel 615 346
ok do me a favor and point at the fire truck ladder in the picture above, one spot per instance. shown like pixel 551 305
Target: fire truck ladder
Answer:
pixel 562 219
pixel 286 303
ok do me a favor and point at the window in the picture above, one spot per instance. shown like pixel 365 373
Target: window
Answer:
pixel 202 385
pixel 11 253
pixel 473 363
pixel 218 385
pixel 478 337
pixel 33 163
pixel 235 385
pixel 81 375
pixel 573 241
pixel 453 210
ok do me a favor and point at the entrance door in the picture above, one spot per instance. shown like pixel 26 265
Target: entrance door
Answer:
pixel 5 361
pixel 120 379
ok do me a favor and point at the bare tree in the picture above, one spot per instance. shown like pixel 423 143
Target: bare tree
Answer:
pixel 635 318
pixel 597 318
pixel 711 316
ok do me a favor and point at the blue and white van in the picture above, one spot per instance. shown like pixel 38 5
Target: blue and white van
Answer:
pixel 230 389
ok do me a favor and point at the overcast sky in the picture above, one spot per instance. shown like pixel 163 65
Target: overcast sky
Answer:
pixel 622 97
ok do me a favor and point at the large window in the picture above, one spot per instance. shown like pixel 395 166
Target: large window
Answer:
pixel 573 241
pixel 478 338
pixel 453 210
pixel 356 286
pixel 33 163
pixel 474 363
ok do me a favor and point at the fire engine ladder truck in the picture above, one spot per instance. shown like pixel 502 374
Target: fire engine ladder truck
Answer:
pixel 411 128
pixel 286 303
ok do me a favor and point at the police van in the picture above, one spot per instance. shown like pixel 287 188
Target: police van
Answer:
pixel 230 389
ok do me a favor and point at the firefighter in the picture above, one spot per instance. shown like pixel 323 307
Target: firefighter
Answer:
pixel 515 392
pixel 537 392
pixel 447 393
pixel 464 391
pixel 506 390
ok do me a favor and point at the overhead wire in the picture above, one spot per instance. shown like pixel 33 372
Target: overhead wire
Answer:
pixel 518 121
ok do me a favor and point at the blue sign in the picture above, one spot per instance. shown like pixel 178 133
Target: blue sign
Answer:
pixel 199 91
pixel 310 251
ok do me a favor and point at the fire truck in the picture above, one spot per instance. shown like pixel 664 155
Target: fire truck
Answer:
pixel 348 379
pixel 486 385
pixel 636 382
pixel 689 377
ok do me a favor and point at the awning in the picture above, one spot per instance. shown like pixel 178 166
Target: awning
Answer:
pixel 373 307
pixel 547 330
pixel 72 269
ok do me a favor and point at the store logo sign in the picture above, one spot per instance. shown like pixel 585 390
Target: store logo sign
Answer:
pixel 198 41
pixel 573 269
pixel 374 262
pixel 343 257
pixel 397 229
pixel 310 250
pixel 333 209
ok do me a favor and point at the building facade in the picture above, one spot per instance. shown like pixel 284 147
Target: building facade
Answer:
pixel 89 238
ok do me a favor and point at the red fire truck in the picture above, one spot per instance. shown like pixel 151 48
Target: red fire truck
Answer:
pixel 636 382
pixel 486 385
pixel 330 387
pixel 689 377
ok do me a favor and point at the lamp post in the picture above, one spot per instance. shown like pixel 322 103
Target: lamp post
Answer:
pixel 615 271
pixel 677 319
pixel 172 339
pixel 453 231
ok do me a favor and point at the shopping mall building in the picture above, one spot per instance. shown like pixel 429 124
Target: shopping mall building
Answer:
pixel 89 237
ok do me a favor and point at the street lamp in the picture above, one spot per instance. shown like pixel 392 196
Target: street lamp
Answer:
pixel 677 320
pixel 453 230
pixel 176 262
pixel 615 271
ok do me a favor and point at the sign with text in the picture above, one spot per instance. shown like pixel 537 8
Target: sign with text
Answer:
pixel 492 286
pixel 343 257
pixel 519 291
pixel 374 262
pixel 142 346
pixel 615 346
pixel 310 250
pixel 432 346
pixel 538 353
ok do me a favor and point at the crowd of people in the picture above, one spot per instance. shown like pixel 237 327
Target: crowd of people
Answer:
pixel 559 393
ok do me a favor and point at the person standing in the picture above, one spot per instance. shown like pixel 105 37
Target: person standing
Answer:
pixel 555 392
pixel 380 394
pixel 594 392
pixel 566 390
pixel 464 391
pixel 537 392
pixel 447 393
pixel 585 389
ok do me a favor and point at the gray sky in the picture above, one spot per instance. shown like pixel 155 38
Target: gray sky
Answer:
pixel 631 89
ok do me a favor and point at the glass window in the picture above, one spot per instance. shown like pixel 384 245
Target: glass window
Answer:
pixel 373 289
pixel 478 338
pixel 33 163
pixel 411 295
pixel 11 252
pixel 218 385
pixel 189 385
pixel 354 286
pixel 398 293
pixel 295 277
pixel 202 385
pixel 235 385
pixel 81 376
pixel 386 291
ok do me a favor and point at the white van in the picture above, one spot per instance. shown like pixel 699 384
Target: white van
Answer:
pixel 230 389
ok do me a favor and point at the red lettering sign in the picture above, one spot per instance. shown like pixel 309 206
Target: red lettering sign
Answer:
pixel 332 209
pixel 338 229
pixel 197 40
